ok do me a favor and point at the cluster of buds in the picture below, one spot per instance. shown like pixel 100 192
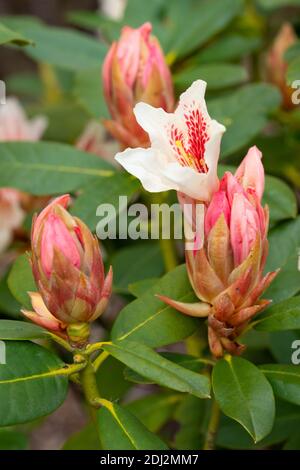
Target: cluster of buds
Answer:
pixel 135 70
pixel 69 274
pixel 226 266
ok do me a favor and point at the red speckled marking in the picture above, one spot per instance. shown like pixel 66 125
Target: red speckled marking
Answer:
pixel 190 148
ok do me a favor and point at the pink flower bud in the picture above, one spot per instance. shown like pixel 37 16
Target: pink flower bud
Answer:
pixel 250 174
pixel 226 271
pixel 135 70
pixel 68 270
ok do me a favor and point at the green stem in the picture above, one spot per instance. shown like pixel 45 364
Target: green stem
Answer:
pixel 99 360
pixel 169 253
pixel 89 384
pixel 213 425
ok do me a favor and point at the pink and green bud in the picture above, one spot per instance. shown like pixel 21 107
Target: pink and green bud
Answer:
pixel 68 271
pixel 226 270
pixel 135 70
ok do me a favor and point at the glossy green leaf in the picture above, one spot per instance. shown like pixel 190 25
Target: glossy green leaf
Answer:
pixel 287 282
pixel 62 47
pixel 85 439
pixel 155 367
pixel 280 199
pixel 120 430
pixel 20 280
pixel 293 72
pixel 140 287
pixel 204 21
pixel 136 262
pixel 104 191
pixel 259 99
pixel 8 304
pixel 20 330
pixel 111 380
pixel 282 316
pixel 9 36
pixel 191 414
pixel 287 237
pixel 230 47
pixel 216 75
pixel 150 321
pixel 48 168
pixel 154 410
pixel 28 386
pixel 285 380
pixel 244 394
pixel 88 90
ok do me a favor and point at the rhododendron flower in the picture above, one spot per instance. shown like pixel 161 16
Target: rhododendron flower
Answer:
pixel 226 271
pixel 14 124
pixel 135 70
pixel 68 270
pixel 93 140
pixel 11 215
pixel 185 147
pixel 277 64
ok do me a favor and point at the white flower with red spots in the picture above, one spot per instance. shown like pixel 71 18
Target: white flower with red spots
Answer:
pixel 185 147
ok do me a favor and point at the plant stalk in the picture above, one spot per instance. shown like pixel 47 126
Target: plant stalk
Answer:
pixel 213 426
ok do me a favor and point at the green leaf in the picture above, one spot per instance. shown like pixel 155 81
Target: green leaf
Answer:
pixel 120 430
pixel 204 20
pixel 293 71
pixel 191 415
pixel 28 385
pixel 217 76
pixel 287 282
pixel 12 440
pixel 286 236
pixel 232 436
pixel 285 380
pixel 154 410
pixel 230 47
pixel 283 316
pixel 85 439
pixel 245 395
pixel 20 281
pixel 8 303
pixel 104 191
pixel 184 360
pixel 111 381
pixel 280 198
pixel 20 330
pixel 151 365
pixel 136 262
pixel 7 36
pixel 62 47
pixel 152 322
pixel 48 168
pixel 70 113
pixel 26 84
pixel 259 99
pixel 88 90
pixel 140 287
